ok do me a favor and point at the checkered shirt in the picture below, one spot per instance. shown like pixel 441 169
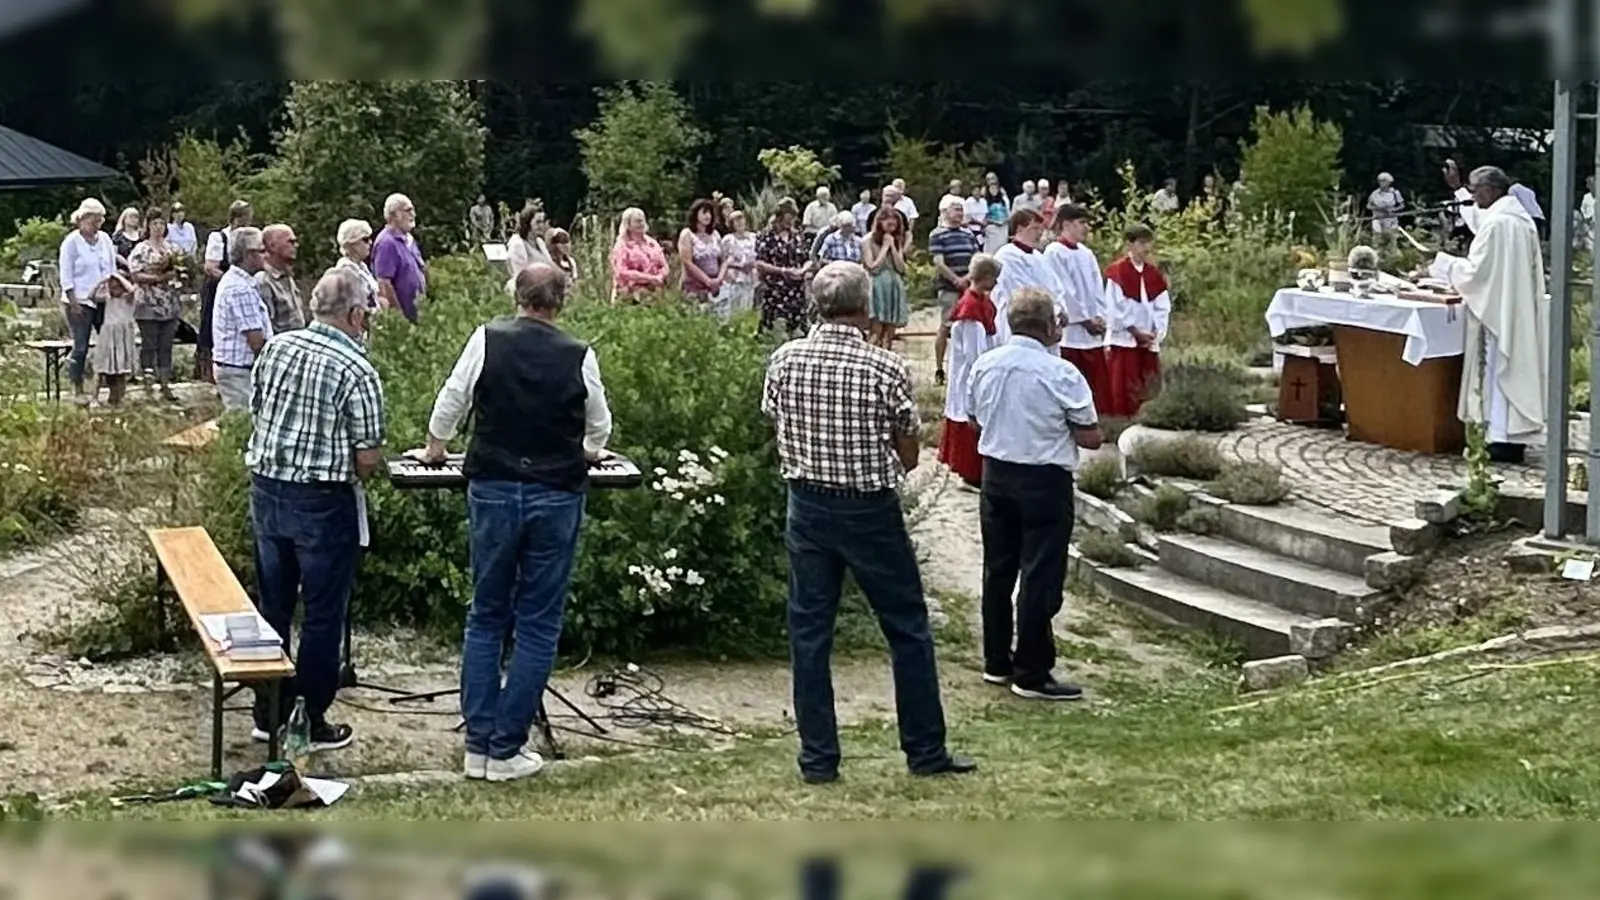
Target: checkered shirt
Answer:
pixel 838 403
pixel 238 308
pixel 315 401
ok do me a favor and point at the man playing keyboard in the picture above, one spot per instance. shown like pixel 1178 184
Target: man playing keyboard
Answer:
pixel 539 417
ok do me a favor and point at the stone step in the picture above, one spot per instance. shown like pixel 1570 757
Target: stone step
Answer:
pixel 1266 577
pixel 1261 629
pixel 1311 536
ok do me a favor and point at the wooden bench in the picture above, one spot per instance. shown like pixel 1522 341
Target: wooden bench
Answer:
pixel 189 560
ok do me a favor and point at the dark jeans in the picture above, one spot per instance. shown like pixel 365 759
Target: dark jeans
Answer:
pixel 524 538
pixel 155 347
pixel 828 533
pixel 307 547
pixel 1026 516
pixel 80 321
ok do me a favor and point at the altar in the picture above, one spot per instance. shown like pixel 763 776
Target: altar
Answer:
pixel 1399 363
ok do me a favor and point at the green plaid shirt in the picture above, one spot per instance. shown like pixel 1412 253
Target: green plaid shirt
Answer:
pixel 315 401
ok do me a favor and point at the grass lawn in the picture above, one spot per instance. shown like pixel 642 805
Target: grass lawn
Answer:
pixel 1451 743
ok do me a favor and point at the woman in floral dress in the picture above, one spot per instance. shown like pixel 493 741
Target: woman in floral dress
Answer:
pixel 783 256
pixel 638 265
pixel 739 279
pixel 157 280
pixel 700 255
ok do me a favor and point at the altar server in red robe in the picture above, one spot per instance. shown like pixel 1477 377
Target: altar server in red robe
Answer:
pixel 972 333
pixel 1140 309
pixel 1082 295
pixel 1022 265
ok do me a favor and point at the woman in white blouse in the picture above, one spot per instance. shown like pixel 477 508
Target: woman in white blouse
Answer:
pixel 526 247
pixel 355 246
pixel 86 261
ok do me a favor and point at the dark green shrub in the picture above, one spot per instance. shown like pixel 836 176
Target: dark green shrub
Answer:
pixel 1161 508
pixel 1252 484
pixel 1100 478
pixel 1200 520
pixel 1185 457
pixel 1107 550
pixel 693 559
pixel 1197 397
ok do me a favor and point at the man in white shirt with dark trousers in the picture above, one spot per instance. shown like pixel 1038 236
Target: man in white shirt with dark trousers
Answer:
pixel 539 417
pixel 1033 411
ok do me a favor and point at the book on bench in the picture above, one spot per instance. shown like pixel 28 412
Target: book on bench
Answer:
pixel 245 637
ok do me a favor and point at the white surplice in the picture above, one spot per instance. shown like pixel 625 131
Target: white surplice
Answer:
pixel 968 341
pixel 1082 294
pixel 1502 287
pixel 1019 269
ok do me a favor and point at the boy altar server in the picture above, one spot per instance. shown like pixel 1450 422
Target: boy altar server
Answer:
pixel 1140 308
pixel 1022 265
pixel 1083 296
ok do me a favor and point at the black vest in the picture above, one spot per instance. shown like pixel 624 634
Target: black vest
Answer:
pixel 528 407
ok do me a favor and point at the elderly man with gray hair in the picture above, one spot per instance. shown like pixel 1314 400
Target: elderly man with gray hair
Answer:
pixel 240 321
pixel 318 428
pixel 539 418
pixel 848 432
pixel 397 260
pixel 1501 280
pixel 1033 411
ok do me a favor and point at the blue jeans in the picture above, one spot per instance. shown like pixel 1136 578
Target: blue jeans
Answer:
pixel 307 547
pixel 524 538
pixel 829 532
pixel 81 325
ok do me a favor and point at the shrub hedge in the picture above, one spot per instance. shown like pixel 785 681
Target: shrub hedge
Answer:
pixel 693 560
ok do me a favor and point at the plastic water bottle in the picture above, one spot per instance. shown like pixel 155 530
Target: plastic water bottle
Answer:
pixel 297 740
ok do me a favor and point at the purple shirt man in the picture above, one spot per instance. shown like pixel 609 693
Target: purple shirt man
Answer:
pixel 396 260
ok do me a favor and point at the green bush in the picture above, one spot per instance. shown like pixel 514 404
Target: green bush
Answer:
pixel 1107 549
pixel 1200 520
pixel 1186 457
pixel 1196 397
pixel 350 144
pixel 694 559
pixel 1252 484
pixel 642 150
pixel 1162 508
pixel 35 239
pixel 798 170
pixel 1100 477
pixel 1292 166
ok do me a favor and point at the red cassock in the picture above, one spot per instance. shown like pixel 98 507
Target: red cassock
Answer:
pixel 958 444
pixel 1134 372
pixel 1096 369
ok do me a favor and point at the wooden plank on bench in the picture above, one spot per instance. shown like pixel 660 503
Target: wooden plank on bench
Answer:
pixel 206 586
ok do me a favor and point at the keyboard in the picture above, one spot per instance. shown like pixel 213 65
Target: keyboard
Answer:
pixel 405 473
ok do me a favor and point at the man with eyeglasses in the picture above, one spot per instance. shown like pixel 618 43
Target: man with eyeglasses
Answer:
pixel 397 260
pixel 240 323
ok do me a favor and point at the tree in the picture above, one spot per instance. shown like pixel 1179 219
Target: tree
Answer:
pixel 350 144
pixel 1292 166
pixel 643 150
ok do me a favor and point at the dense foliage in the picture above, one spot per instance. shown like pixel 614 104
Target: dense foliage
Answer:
pixel 694 559
pixel 349 144
pixel 1292 167
pixel 641 150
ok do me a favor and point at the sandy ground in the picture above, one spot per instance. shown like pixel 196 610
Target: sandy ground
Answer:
pixel 68 728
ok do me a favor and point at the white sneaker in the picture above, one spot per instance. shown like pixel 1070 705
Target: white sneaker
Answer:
pixel 475 766
pixel 525 764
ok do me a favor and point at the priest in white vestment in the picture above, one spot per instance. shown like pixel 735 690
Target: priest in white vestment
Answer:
pixel 1501 281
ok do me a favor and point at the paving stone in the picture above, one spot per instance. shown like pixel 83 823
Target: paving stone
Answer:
pixel 1279 671
pixel 1413 536
pixel 1320 639
pixel 1393 571
pixel 1442 508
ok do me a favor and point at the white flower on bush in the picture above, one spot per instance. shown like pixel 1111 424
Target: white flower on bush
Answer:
pixel 658 582
pixel 692 479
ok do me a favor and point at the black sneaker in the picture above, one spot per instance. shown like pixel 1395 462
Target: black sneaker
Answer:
pixel 1000 678
pixel 1049 690
pixel 327 736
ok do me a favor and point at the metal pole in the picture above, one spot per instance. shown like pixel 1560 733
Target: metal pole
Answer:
pixel 1559 371
pixel 1592 510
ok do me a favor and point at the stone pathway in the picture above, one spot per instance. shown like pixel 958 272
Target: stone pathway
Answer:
pixel 1366 481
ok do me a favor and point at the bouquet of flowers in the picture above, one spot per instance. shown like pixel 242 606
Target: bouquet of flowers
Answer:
pixel 179 269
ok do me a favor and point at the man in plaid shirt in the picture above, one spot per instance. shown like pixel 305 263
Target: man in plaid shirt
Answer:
pixel 847 434
pixel 317 411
